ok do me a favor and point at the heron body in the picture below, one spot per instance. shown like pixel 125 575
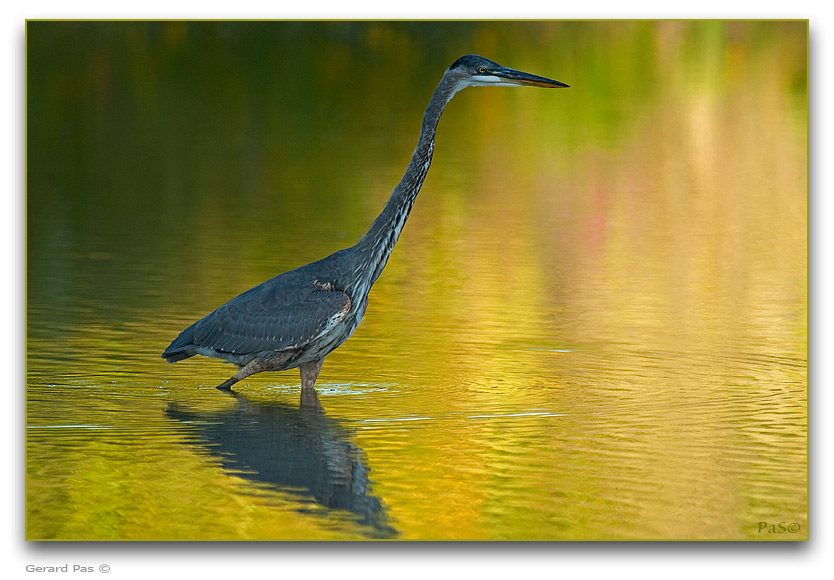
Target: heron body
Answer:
pixel 299 317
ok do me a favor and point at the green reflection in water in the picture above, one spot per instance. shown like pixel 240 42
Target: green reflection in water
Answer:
pixel 593 327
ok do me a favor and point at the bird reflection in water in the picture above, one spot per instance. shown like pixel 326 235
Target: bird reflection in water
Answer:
pixel 295 449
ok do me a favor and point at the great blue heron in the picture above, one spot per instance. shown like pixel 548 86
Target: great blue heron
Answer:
pixel 299 317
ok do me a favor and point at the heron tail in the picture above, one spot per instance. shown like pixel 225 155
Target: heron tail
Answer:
pixel 180 347
pixel 173 357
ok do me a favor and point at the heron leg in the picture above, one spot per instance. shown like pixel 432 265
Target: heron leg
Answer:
pixel 252 367
pixel 269 362
pixel 227 384
pixel 309 374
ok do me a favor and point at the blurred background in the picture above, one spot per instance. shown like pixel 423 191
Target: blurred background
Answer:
pixel 594 325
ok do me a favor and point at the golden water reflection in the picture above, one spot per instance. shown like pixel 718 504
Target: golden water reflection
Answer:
pixel 593 327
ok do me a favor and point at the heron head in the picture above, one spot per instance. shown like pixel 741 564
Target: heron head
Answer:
pixel 476 71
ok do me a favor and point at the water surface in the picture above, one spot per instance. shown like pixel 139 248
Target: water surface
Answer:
pixel 593 327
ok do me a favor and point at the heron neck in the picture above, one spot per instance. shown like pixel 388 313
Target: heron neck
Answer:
pixel 378 243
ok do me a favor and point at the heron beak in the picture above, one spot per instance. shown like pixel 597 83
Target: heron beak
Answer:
pixel 516 77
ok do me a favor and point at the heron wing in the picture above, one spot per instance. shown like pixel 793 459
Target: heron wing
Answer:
pixel 269 318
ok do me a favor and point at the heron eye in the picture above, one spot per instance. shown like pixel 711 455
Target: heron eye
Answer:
pixel 482 69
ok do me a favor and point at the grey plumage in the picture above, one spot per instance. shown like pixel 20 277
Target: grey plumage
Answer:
pixel 297 318
pixel 287 312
